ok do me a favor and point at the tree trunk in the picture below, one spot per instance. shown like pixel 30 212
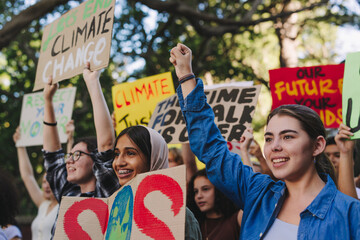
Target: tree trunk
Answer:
pixel 287 31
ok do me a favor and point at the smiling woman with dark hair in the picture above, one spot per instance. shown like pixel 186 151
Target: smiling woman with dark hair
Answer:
pixel 137 149
pixel 305 203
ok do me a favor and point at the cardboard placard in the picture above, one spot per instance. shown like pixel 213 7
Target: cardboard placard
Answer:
pixel 150 206
pixel 32 116
pixel 318 87
pixel 351 96
pixel 134 102
pixel 233 106
pixel 81 35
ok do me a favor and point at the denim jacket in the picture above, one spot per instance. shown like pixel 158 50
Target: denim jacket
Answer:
pixel 331 215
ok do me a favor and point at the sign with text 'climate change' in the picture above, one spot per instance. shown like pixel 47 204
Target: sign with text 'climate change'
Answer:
pixel 81 35
pixel 317 87
pixel 32 115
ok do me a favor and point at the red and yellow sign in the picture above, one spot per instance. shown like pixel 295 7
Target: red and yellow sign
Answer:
pixel 134 102
pixel 318 87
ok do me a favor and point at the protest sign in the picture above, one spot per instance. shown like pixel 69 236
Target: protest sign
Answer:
pixel 81 35
pixel 233 107
pixel 134 102
pixel 351 97
pixel 317 87
pixel 32 115
pixel 150 206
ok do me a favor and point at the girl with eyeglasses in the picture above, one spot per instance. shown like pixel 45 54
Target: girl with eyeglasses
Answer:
pixel 72 174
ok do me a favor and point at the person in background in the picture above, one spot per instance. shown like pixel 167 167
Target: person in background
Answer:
pixel 175 157
pixel 217 215
pixel 341 154
pixel 43 198
pixel 9 208
pixel 305 203
pixel 183 156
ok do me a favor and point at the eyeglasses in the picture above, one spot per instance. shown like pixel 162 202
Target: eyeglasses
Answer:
pixel 75 155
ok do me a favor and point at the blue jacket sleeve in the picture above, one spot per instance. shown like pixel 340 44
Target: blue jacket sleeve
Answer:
pixel 225 169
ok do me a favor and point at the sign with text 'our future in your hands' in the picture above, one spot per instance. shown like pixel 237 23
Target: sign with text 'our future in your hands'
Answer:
pixel 233 107
pixel 81 35
pixel 150 206
pixel 135 101
pixel 32 116
pixel 351 96
pixel 317 87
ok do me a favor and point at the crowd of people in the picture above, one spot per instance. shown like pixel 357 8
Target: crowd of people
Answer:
pixel 301 187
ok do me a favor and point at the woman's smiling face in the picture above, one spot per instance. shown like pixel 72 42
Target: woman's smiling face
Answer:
pixel 288 149
pixel 129 160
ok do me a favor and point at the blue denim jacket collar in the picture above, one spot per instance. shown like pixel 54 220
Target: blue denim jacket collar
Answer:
pixel 322 203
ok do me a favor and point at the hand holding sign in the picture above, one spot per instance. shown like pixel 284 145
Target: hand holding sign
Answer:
pixel 90 77
pixel 50 90
pixel 16 135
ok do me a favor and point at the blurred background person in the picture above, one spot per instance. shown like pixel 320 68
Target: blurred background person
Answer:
pixel 217 215
pixel 43 198
pixel 9 208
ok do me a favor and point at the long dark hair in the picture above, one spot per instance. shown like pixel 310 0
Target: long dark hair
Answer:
pixel 9 201
pixel 91 144
pixel 311 123
pixel 140 136
pixel 223 205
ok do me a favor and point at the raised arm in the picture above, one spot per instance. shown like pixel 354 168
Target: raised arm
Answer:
pixel 27 173
pixel 225 169
pixel 53 154
pixel 189 161
pixel 346 182
pixel 70 129
pixel 245 142
pixel 51 141
pixel 180 57
pixel 103 123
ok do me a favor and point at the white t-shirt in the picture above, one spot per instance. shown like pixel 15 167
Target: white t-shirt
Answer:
pixel 280 230
pixel 358 192
pixel 2 235
pixel 42 224
pixel 12 231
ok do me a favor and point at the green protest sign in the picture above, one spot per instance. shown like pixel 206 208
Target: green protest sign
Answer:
pixel 350 95
pixel 32 115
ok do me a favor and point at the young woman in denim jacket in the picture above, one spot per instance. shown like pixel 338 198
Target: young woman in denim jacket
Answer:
pixel 305 204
